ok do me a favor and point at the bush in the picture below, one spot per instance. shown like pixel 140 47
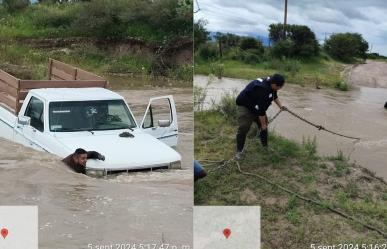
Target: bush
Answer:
pixel 51 16
pixel 283 48
pixel 3 11
pixel 208 52
pixel 181 72
pixel 102 18
pixel 273 63
pixel 200 94
pixel 235 54
pixel 228 107
pixel 251 43
pixel 291 66
pixel 342 85
pixel 283 65
pixel 116 19
pixel 251 58
pixel 15 5
pixel 217 68
pixel 346 46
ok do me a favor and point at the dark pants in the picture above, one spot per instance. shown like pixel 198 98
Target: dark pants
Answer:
pixel 245 119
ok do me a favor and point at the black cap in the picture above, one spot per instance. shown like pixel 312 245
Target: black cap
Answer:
pixel 277 79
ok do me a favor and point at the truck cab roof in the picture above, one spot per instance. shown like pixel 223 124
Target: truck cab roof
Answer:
pixel 75 94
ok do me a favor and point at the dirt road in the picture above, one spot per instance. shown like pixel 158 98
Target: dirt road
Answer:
pixel 371 74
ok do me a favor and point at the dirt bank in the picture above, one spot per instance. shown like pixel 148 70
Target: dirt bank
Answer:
pixel 370 74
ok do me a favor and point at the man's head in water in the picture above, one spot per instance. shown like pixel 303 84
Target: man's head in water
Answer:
pixel 277 81
pixel 80 157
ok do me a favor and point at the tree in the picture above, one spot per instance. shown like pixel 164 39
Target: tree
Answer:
pixel 346 46
pixel 253 49
pixel 250 43
pixel 200 33
pixel 301 38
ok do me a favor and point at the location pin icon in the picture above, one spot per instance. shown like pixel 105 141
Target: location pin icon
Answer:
pixel 227 232
pixel 4 232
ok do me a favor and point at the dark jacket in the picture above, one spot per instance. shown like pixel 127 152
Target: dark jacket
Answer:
pixel 257 96
pixel 69 160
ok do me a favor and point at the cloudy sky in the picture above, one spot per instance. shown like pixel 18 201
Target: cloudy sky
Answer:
pixel 324 17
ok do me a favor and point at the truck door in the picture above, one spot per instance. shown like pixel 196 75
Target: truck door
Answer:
pixel 33 133
pixel 160 119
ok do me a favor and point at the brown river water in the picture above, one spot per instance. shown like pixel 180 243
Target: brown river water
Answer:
pixel 357 113
pixel 76 210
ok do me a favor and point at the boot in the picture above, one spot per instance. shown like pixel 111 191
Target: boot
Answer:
pixel 263 137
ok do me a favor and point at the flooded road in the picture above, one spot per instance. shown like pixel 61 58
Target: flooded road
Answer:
pixel 357 113
pixel 76 210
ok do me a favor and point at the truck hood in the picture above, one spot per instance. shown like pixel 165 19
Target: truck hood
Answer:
pixel 121 153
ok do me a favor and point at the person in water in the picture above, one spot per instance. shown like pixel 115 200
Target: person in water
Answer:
pixel 77 160
pixel 199 172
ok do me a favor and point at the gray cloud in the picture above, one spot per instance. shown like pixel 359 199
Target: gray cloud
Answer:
pixel 324 17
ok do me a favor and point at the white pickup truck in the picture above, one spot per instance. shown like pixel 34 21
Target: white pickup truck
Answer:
pixel 73 109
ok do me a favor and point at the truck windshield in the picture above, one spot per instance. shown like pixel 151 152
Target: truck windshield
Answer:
pixel 95 115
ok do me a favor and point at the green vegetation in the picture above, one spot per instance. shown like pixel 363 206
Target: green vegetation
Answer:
pixel 151 21
pixel 15 5
pixel 317 72
pixel 298 56
pixel 346 46
pixel 126 69
pixel 288 222
pixel 122 40
pixel 300 41
pixel 376 56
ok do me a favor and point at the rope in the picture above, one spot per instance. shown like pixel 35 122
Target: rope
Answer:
pixel 224 163
pixel 320 127
pixel 312 201
pixel 275 116
pixel 298 195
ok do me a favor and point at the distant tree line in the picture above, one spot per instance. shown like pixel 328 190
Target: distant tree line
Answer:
pixel 299 43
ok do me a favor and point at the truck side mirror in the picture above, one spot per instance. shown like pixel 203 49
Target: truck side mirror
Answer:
pixel 164 123
pixel 24 120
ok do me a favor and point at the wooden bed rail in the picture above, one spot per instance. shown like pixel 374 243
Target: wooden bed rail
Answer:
pixel 13 91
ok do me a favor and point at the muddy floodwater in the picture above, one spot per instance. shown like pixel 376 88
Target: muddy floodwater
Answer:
pixel 357 113
pixel 77 211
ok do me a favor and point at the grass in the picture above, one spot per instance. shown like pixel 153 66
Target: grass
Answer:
pixel 122 70
pixel 322 71
pixel 123 64
pixel 55 21
pixel 288 222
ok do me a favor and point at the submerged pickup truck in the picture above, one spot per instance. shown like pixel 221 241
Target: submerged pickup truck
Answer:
pixel 74 109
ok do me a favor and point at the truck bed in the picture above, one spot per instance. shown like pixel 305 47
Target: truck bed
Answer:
pixel 60 75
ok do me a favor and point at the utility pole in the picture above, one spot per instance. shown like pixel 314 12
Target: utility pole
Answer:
pixel 285 18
